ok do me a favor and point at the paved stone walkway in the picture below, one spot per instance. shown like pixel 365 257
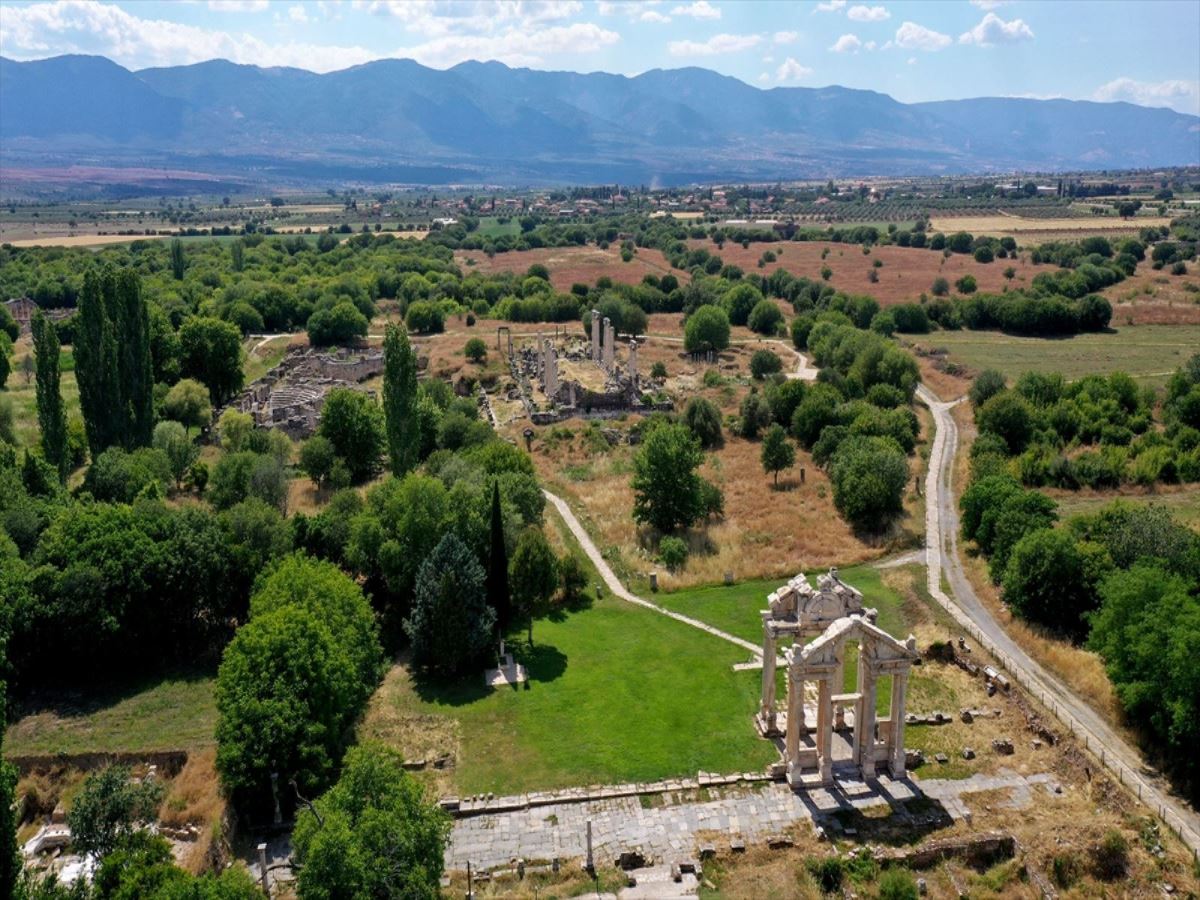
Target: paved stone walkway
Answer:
pixel 667 827
pixel 614 583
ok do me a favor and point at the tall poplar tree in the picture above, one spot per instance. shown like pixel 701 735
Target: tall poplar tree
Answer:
pixel 400 400
pixel 51 418
pixel 112 361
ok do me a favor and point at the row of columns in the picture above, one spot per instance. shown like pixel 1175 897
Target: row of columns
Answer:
pixel 604 342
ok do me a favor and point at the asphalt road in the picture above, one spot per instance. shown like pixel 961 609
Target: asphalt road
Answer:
pixel 942 558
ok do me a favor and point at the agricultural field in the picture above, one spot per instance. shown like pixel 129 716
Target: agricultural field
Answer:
pixel 1149 353
pixel 907 272
pixel 1032 230
pixel 572 265
pixel 1156 297
pixel 1181 501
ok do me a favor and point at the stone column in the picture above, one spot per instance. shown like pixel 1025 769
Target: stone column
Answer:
pixel 610 338
pixel 858 706
pixel 540 356
pixel 866 733
pixel 766 710
pixel 825 731
pixel 899 691
pixel 633 373
pixel 595 335
pixel 794 723
pixel 551 371
pixel 839 687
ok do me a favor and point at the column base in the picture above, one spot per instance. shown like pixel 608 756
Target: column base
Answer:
pixel 767 724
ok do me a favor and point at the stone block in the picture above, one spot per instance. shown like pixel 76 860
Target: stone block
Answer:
pixel 968 753
pixel 1003 746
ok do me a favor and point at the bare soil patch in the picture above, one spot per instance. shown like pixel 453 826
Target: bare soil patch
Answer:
pixel 907 272
pixel 571 265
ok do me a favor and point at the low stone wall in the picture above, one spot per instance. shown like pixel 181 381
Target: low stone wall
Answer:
pixel 169 762
pixel 982 850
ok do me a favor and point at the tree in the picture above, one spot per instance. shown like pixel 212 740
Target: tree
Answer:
pixel 425 318
pixel 51 418
pixel 373 834
pixel 1009 416
pixel 777 452
pixel 704 420
pixel 475 350
pixel 966 284
pixel 187 402
pixel 941 287
pixel 112 360
pixel 1051 579
pixel 284 705
pixel 533 574
pixel 817 409
pixel 10 859
pixel 353 423
pixel 986 385
pixel 108 808
pixel 666 485
pixel 181 452
pixel 339 324
pixel 451 625
pixel 317 457
pixel 142 866
pixel 707 329
pixel 754 414
pixel 400 400
pixel 234 428
pixel 498 595
pixel 764 363
pixel 211 352
pixel 765 318
pixel 178 260
pixel 739 301
pixel 869 475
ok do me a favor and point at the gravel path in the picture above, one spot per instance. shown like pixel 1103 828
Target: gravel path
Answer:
pixel 614 583
pixel 942 557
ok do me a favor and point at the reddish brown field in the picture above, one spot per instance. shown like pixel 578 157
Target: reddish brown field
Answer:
pixel 906 271
pixel 571 265
pixel 1152 297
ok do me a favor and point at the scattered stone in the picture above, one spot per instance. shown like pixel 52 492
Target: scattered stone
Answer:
pixel 851 832
pixel 414 764
pixel 1003 745
pixel 968 753
pixel 707 851
pixel 967 716
pixel 991 689
pixel 676 873
pixel 942 758
pixel 922 887
pixel 1037 745
pixel 631 859
pixel 913 759
pixel 821 836
pixel 780 842
pixel 737 845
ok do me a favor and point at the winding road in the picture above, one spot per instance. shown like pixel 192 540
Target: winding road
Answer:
pixel 942 558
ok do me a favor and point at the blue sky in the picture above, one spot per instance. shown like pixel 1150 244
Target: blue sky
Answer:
pixel 1145 52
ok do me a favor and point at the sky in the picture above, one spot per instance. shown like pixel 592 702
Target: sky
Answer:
pixel 1142 51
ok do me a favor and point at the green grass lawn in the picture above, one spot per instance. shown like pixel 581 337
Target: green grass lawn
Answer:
pixel 171 714
pixel 24 398
pixel 1150 353
pixel 735 608
pixel 489 226
pixel 1183 504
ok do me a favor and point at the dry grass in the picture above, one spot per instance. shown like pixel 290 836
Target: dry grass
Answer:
pixel 194 798
pixel 1032 230
pixel 71 239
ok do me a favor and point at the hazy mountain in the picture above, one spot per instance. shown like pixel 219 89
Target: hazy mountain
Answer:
pixel 396 120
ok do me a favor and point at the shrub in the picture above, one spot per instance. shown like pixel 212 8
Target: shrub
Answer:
pixel 986 385
pixel 424 318
pixel 658 370
pixel 941 287
pixel 983 254
pixel 869 475
pixel 706 329
pixel 966 284
pixel 828 873
pixel 673 552
pixel 765 318
pixel 704 421
pixel 764 363
pixel 1110 857
pixel 109 808
pixel 475 350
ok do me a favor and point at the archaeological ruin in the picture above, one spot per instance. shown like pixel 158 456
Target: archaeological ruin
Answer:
pixel 564 376
pixel 290 396
pixel 833 615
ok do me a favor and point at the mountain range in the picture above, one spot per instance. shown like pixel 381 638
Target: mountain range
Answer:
pixel 398 121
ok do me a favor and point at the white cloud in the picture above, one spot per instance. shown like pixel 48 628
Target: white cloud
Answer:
pixel 786 37
pixel 445 17
pixel 869 45
pixel 1180 95
pixel 298 14
pixel 88 26
pixel 830 6
pixel 717 44
pixel 912 36
pixel 700 9
pixel 847 43
pixel 990 4
pixel 790 70
pixel 237 5
pixel 634 11
pixel 764 78
pixel 868 14
pixel 649 15
pixel 994 30
pixel 912 60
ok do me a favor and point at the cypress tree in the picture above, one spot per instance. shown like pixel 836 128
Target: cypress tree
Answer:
pixel 498 596
pixel 400 400
pixel 136 371
pixel 51 418
pixel 178 261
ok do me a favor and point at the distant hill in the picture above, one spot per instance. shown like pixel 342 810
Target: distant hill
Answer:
pixel 396 120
